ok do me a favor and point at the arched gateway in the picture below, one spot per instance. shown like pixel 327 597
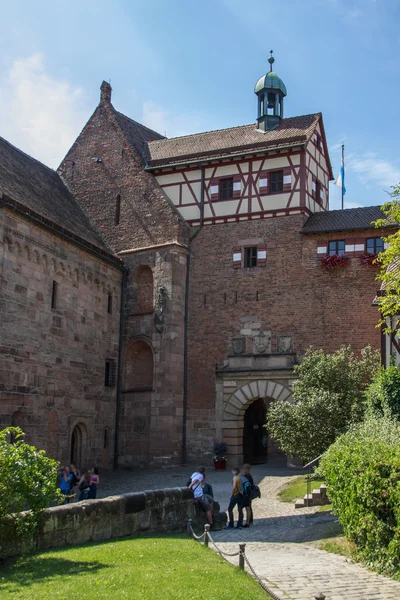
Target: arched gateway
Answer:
pixel 244 416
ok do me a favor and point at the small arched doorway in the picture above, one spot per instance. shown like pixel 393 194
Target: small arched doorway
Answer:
pixel 78 443
pixel 255 435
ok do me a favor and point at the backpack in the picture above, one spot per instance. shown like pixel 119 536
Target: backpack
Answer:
pixel 247 489
pixel 256 492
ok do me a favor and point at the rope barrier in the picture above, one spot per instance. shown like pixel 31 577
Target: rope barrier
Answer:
pixel 243 559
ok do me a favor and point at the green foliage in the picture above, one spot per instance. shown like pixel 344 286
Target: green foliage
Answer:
pixel 362 471
pixel 389 259
pixel 27 482
pixel 329 395
pixel 383 395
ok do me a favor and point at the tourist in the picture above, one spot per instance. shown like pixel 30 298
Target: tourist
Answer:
pixel 95 480
pixel 65 483
pixel 196 481
pixel 84 486
pixel 208 491
pixel 247 488
pixel 236 500
pixel 75 480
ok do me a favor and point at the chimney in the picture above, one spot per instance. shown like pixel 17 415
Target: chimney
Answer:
pixel 105 93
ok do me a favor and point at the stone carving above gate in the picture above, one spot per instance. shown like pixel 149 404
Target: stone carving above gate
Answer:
pixel 239 345
pixel 284 343
pixel 262 343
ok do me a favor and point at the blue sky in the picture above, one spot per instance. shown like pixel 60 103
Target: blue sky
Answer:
pixel 181 67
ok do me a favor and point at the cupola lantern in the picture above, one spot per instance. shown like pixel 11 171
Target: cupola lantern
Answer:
pixel 270 91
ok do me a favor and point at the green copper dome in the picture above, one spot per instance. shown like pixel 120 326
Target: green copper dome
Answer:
pixel 270 81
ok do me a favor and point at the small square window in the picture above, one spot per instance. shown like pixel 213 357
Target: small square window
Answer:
pixel 374 245
pixel 54 291
pixel 110 373
pixel 250 257
pixel 337 247
pixel 226 188
pixel 276 182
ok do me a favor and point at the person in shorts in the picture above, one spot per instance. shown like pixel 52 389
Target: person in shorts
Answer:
pixel 196 481
pixel 246 503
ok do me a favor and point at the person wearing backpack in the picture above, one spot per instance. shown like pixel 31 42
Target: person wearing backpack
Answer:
pixel 248 489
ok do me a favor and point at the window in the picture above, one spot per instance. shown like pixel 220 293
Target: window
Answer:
pixel 109 304
pixel 226 188
pixel 318 190
pixel 374 245
pixel 117 210
pixel 54 295
pixel 250 257
pixel 276 182
pixel 105 440
pixel 109 373
pixel 336 247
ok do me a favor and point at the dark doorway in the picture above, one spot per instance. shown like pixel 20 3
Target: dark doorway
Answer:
pixel 77 443
pixel 255 435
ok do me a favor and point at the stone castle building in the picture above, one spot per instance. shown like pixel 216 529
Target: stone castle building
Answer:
pixel 156 293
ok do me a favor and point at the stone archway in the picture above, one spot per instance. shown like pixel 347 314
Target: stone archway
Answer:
pixel 236 406
pixel 78 447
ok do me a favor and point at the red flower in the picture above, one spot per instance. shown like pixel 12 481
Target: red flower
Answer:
pixel 335 261
pixel 370 259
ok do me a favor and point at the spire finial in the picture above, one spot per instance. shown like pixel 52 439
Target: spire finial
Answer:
pixel 271 61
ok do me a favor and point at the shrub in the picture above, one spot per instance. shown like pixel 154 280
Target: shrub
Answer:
pixel 383 395
pixel 328 395
pixel 362 471
pixel 27 482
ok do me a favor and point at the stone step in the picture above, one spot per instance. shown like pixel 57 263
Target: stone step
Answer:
pixel 299 504
pixel 318 497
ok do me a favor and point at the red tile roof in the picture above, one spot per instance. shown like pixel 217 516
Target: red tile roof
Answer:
pixel 230 142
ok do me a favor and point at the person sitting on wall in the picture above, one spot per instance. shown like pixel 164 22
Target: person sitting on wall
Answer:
pixel 208 491
pixel 84 486
pixel 196 481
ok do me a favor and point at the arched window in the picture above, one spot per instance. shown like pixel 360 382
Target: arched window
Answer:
pixel 117 210
pixel 145 291
pixel 138 366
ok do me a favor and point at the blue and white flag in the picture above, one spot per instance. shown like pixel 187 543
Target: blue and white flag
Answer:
pixel 340 179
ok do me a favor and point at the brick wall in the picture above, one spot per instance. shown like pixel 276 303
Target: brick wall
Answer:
pixel 52 361
pixel 290 296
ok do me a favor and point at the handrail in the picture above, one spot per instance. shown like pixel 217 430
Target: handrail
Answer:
pixel 308 467
pixel 311 463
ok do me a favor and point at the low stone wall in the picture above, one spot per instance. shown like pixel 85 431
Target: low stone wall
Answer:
pixel 114 517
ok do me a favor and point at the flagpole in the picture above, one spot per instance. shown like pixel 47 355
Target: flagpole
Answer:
pixel 343 181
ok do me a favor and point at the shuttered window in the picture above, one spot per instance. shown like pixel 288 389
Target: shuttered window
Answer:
pixel 276 182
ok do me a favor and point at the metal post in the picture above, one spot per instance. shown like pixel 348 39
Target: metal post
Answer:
pixel 242 550
pixel 319 596
pixel 308 486
pixel 189 526
pixel 207 533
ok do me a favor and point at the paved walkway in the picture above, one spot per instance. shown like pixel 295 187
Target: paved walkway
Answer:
pixel 281 544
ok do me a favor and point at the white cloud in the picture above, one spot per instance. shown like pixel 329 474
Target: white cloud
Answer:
pixel 373 170
pixel 157 118
pixel 39 113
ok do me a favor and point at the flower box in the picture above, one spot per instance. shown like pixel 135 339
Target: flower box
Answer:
pixel 335 261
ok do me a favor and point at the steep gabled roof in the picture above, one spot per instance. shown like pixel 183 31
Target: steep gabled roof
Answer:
pixel 230 142
pixel 342 220
pixel 136 133
pixel 30 184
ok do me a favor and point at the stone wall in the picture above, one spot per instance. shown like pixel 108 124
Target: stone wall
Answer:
pixel 52 358
pixel 114 517
pixel 282 308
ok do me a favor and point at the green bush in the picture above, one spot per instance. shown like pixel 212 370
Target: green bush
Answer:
pixel 362 471
pixel 383 394
pixel 28 482
pixel 328 395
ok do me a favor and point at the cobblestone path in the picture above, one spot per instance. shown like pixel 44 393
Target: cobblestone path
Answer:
pixel 280 544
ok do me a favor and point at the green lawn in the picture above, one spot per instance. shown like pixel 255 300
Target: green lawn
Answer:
pixel 171 568
pixel 297 489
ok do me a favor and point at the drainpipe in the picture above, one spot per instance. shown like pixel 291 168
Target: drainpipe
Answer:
pixel 185 326
pixel 118 405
